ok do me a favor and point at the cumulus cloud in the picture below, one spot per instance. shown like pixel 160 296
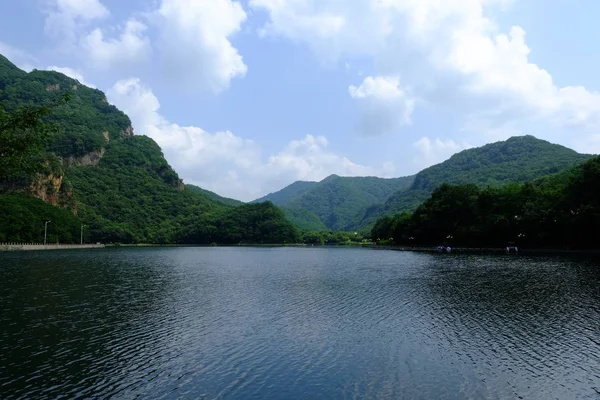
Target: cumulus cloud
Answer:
pixel 451 52
pixel 65 17
pixel 20 58
pixel 430 152
pixel 385 106
pixel 331 28
pixel 71 73
pixel 130 47
pixel 195 41
pixel 226 163
pixel 191 39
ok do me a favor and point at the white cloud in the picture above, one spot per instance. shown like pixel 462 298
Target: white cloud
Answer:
pixel 310 159
pixel 432 152
pixel 331 28
pixel 71 73
pixel 588 145
pixel 20 58
pixel 385 106
pixel 451 53
pixel 226 163
pixel 191 38
pixel 129 48
pixel 64 17
pixel 195 41
pixel 69 21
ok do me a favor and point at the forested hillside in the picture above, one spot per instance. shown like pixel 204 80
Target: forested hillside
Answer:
pixel 213 196
pixel 283 196
pixel 518 159
pixel 63 144
pixel 560 211
pixel 337 202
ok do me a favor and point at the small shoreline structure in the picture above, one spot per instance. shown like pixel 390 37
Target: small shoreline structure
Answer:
pixel 41 246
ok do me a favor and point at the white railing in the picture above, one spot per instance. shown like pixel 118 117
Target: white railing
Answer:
pixel 14 246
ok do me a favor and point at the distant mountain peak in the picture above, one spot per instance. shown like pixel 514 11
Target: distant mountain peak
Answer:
pixel 517 159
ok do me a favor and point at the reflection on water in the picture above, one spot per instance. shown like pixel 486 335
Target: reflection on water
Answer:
pixel 297 323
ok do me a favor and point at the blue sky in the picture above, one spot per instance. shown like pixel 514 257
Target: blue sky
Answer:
pixel 248 96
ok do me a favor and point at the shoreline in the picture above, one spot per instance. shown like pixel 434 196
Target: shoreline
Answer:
pixel 421 249
pixel 9 247
pixel 42 247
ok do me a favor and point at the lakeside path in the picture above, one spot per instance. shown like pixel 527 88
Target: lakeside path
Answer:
pixel 37 246
pixel 428 249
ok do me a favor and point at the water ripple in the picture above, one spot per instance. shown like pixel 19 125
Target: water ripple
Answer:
pixel 297 323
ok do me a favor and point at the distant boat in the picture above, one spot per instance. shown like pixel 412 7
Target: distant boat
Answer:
pixel 443 249
pixel 511 247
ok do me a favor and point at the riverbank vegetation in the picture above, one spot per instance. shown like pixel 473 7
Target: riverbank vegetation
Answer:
pixel 559 211
pixel 23 217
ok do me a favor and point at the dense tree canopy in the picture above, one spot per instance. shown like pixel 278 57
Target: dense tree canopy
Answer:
pixel 214 196
pixel 128 193
pixel 122 188
pixel 22 220
pixel 337 202
pixel 516 160
pixel 559 211
pixel 249 223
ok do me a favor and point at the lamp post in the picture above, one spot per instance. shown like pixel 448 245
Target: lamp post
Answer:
pixel 81 240
pixel 46 230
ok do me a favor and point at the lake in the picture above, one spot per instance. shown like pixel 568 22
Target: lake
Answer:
pixel 285 323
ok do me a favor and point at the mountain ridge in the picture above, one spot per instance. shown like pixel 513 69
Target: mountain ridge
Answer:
pixel 515 160
pixel 116 183
pixel 336 200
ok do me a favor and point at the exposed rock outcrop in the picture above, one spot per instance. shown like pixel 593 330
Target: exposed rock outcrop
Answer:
pixel 53 189
pixel 128 131
pixel 92 158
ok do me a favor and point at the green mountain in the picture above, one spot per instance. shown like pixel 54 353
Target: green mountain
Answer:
pixel 86 166
pixel 558 211
pixel 337 202
pixel 284 195
pixel 303 219
pixel 518 159
pixel 213 196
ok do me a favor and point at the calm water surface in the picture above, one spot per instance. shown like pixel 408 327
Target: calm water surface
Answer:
pixel 297 323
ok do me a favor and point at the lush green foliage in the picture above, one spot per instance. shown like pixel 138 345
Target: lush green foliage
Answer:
pixel 333 238
pixel 84 120
pixel 558 211
pixel 213 196
pixel 284 195
pixel 248 223
pixel 338 202
pixel 303 219
pixel 22 220
pixel 131 196
pixel 23 141
pixel 518 159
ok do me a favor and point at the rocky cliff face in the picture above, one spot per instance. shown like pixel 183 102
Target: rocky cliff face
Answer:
pixel 92 158
pixel 128 131
pixel 53 189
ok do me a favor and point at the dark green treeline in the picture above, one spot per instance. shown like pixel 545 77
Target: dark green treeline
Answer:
pixel 559 211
